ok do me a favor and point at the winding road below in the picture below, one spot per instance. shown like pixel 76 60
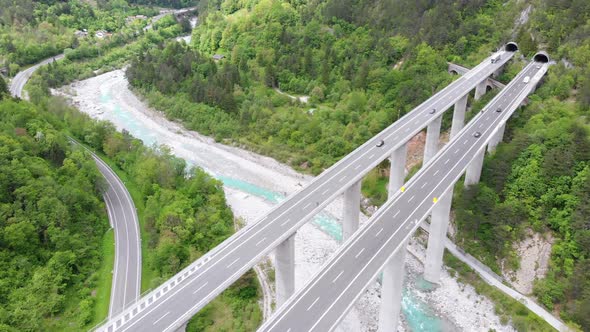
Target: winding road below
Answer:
pixel 126 283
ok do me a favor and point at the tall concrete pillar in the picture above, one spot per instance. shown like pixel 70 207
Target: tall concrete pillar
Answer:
pixel 352 209
pixel 498 72
pixel 393 271
pixel 397 172
pixel 497 138
pixel 473 172
pixel 391 291
pixel 480 89
pixel 437 233
pixel 432 138
pixel 285 270
pixel 459 116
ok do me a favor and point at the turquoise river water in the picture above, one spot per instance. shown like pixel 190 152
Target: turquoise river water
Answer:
pixel 418 315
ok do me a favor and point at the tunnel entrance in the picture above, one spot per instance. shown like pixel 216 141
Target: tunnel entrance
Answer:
pixel 511 47
pixel 541 57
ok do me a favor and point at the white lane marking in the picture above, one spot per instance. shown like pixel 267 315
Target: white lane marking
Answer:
pixel 424 185
pixel 435 173
pixel 371 156
pixel 334 260
pixel 159 319
pixel 325 191
pixel 313 303
pixel 381 230
pixel 283 224
pixel 359 253
pixel 232 263
pixel 464 142
pixel 446 162
pixel 306 206
pixel 338 276
pixel 357 167
pixel 407 129
pixel 480 125
pixel 487 117
pixel 457 151
pixel 411 198
pixel 233 240
pixel 417 122
pixel 398 211
pixel 198 289
pixel 259 242
pixel 342 178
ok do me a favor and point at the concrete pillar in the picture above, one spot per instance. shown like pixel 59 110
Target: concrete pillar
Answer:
pixel 459 116
pixel 182 328
pixel 393 271
pixel 497 138
pixel 285 270
pixel 352 209
pixel 473 172
pixel 397 172
pixel 391 291
pixel 432 138
pixel 480 89
pixel 437 233
pixel 498 72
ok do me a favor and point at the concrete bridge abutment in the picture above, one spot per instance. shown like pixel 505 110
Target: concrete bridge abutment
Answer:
pixel 432 139
pixel 437 233
pixel 285 270
pixel 496 138
pixel 393 271
pixel 473 173
pixel 352 210
pixel 459 116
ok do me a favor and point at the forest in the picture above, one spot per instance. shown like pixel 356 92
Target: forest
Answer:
pixel 363 65
pixel 52 219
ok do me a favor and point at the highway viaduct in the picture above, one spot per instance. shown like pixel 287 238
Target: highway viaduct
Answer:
pixel 171 305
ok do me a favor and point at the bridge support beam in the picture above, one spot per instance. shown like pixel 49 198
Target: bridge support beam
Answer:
pixel 432 138
pixel 393 271
pixel 480 89
pixel 498 72
pixel 391 291
pixel 352 210
pixel 397 171
pixel 497 138
pixel 459 116
pixel 437 233
pixel 473 172
pixel 285 270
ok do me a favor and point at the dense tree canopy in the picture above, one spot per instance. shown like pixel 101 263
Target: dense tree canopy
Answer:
pixel 51 220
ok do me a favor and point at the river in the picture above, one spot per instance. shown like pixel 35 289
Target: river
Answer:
pixel 252 183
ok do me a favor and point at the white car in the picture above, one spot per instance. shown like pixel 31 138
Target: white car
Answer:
pixel 526 80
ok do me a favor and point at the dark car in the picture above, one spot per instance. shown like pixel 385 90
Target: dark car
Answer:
pixel 432 111
pixel 477 134
pixel 498 109
pixel 380 143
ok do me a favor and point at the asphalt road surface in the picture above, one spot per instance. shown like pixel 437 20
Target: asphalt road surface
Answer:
pixel 323 302
pixel 18 82
pixel 174 302
pixel 122 215
pixel 126 283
